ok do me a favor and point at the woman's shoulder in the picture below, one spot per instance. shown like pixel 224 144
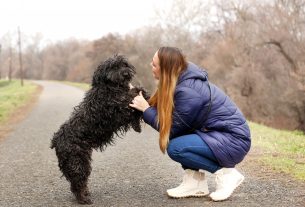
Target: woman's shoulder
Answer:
pixel 193 78
pixel 192 72
pixel 192 89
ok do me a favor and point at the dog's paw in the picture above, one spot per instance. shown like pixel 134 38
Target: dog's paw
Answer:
pixel 137 127
pixel 136 90
pixel 85 201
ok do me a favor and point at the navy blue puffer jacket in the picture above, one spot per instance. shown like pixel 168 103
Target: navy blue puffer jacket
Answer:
pixel 223 127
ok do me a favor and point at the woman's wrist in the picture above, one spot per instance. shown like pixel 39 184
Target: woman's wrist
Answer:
pixel 145 108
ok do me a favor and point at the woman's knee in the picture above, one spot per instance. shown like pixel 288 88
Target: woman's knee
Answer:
pixel 173 150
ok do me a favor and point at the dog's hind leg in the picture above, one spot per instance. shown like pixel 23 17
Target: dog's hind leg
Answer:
pixel 81 191
pixel 77 169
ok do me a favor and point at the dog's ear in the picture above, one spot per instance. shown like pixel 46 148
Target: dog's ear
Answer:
pixel 98 75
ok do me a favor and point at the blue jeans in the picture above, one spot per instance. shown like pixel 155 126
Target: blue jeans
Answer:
pixel 193 153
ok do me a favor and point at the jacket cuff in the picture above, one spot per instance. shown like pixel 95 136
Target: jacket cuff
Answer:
pixel 150 117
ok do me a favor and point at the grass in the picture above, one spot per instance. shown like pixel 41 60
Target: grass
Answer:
pixel 13 96
pixel 282 150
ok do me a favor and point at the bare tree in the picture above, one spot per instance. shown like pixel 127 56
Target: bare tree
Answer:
pixel 33 60
pixel 254 50
pixel 10 64
pixel 258 60
pixel 20 57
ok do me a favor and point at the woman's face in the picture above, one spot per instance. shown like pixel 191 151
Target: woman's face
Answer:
pixel 155 66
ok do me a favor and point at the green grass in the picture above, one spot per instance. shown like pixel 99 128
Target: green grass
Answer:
pixel 282 150
pixel 83 86
pixel 13 96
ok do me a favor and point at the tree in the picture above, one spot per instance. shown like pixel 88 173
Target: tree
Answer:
pixel 259 61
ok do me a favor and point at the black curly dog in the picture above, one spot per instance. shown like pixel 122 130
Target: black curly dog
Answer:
pixel 103 113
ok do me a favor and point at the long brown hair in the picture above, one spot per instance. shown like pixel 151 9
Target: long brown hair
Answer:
pixel 172 63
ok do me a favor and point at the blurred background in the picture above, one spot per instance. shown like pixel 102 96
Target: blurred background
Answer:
pixel 253 50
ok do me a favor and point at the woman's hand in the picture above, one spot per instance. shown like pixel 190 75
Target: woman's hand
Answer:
pixel 139 103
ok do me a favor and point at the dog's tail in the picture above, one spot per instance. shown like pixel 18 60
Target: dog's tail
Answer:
pixel 54 141
pixel 56 137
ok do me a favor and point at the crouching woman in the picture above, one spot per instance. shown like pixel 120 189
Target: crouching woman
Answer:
pixel 200 126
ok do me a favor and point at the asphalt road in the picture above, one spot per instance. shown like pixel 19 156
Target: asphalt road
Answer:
pixel 133 172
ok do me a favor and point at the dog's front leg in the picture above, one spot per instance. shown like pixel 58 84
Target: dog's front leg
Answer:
pixel 136 121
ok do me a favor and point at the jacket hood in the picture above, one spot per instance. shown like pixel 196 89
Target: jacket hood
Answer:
pixel 193 72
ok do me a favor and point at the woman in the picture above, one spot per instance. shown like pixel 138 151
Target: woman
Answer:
pixel 200 127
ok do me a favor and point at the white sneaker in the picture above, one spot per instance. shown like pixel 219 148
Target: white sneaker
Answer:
pixel 227 180
pixel 194 185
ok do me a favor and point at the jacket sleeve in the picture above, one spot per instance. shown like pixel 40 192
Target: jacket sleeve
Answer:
pixel 188 103
pixel 150 117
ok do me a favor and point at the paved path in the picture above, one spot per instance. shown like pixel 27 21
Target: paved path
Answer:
pixel 131 173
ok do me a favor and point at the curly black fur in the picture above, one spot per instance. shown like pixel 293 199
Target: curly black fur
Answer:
pixel 103 114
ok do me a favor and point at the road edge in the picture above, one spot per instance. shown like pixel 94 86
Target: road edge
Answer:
pixel 20 113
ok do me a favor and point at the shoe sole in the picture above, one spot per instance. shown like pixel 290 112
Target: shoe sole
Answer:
pixel 240 182
pixel 188 195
